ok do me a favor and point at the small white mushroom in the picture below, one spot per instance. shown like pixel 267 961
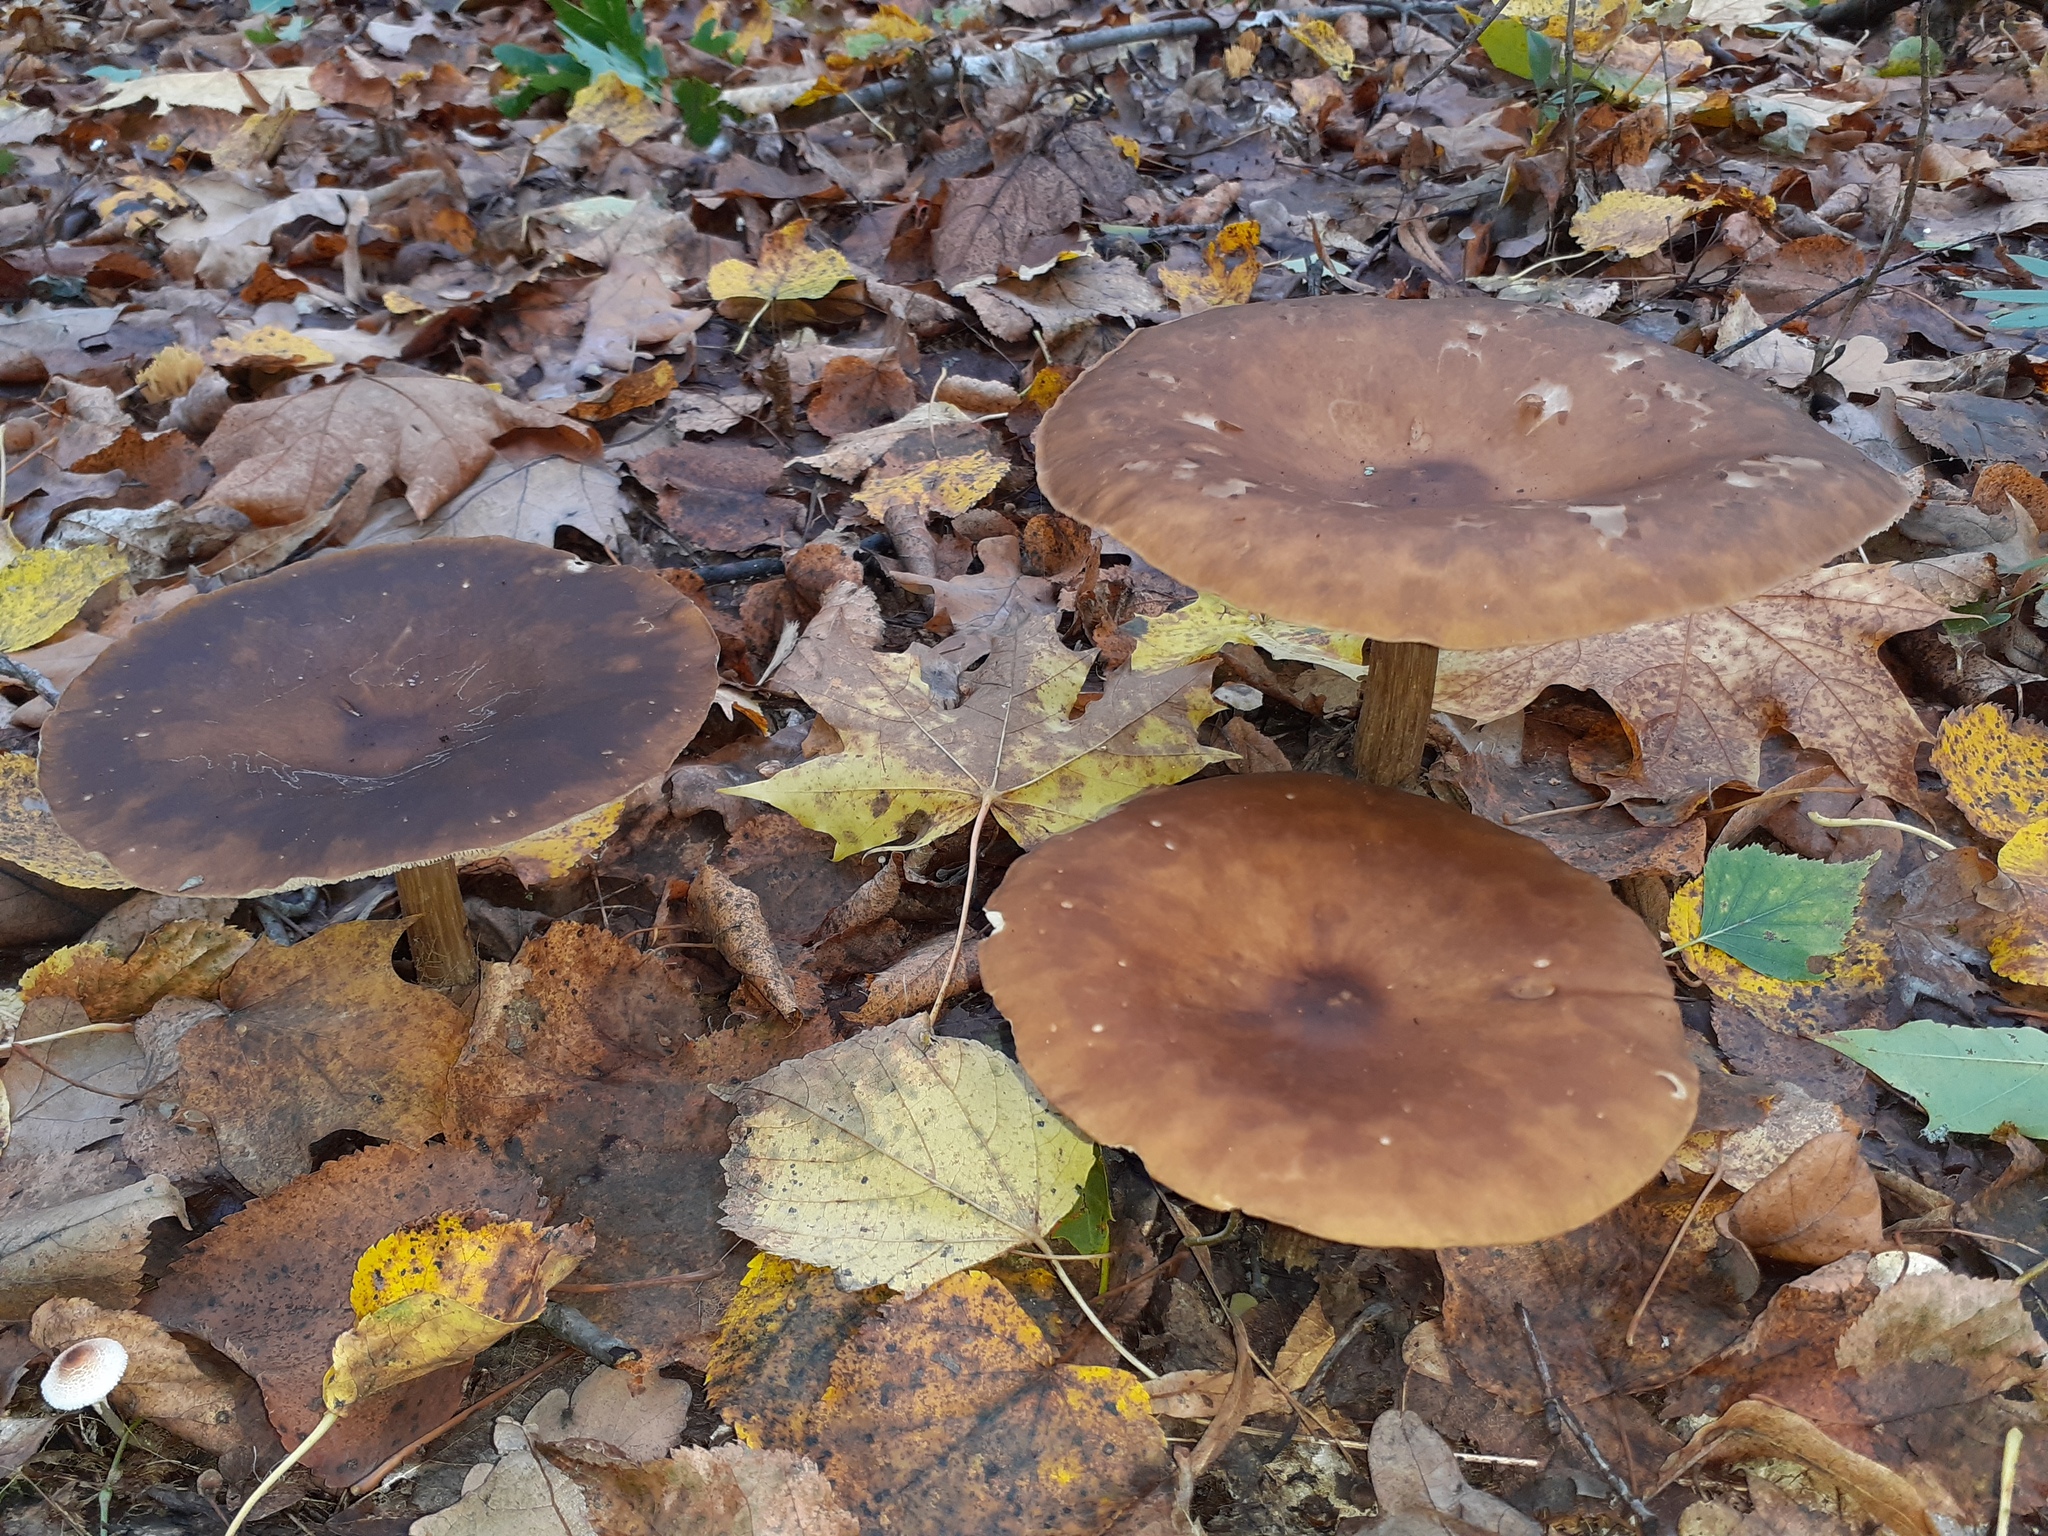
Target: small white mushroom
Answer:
pixel 82 1376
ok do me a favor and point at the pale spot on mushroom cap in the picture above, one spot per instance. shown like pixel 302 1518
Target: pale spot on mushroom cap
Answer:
pixel 1229 488
pixel 1541 402
pixel 1677 1087
pixel 1609 522
pixel 1209 423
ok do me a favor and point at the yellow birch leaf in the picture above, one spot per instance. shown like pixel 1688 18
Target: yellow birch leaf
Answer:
pixel 561 850
pixel 1046 386
pixel 899 1157
pixel 268 344
pixel 186 958
pixel 1857 979
pixel 910 771
pixel 30 836
pixel 1996 769
pixel 170 374
pixel 1327 44
pixel 443 1291
pixel 1233 261
pixel 42 590
pixel 950 485
pixel 1632 223
pixel 788 269
pixel 624 111
pixel 2018 941
pixel 1208 624
pixel 1132 150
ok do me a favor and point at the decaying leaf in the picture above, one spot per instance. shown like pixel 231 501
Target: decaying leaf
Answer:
pixel 948 485
pixel 1208 624
pixel 30 836
pixel 733 1488
pixel 42 590
pixel 1631 223
pixel 1819 1204
pixel 1856 980
pixel 1232 267
pixel 789 268
pixel 1416 1478
pixel 899 1157
pixel 186 958
pixel 910 772
pixel 91 1247
pixel 1700 693
pixel 1995 769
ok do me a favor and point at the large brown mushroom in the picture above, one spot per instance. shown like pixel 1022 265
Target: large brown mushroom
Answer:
pixel 1354 1011
pixel 398 708
pixel 1458 475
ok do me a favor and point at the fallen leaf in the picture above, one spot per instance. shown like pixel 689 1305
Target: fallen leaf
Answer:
pixel 715 495
pixel 911 985
pixel 788 268
pixel 42 590
pixel 320 1037
pixel 910 772
pixel 181 959
pixel 31 838
pixel 221 90
pixel 69 1093
pixel 1414 1475
pixel 635 392
pixel 631 308
pixel 855 395
pixel 1046 176
pixel 1855 984
pixel 534 500
pixel 1326 43
pixel 1819 1204
pixel 638 1414
pixel 948 486
pixel 305 1240
pixel 733 1488
pixel 1967 1078
pixel 1632 223
pixel 91 1247
pixel 1208 624
pixel 785 1325
pixel 1774 912
pixel 1232 260
pixel 939 1155
pixel 624 111
pixel 730 916
pixel 1994 768
pixel 1076 292
pixel 1700 693
pixel 946 1412
pixel 286 459
pixel 270 345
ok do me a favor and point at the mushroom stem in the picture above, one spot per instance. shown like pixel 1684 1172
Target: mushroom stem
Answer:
pixel 442 956
pixel 1393 712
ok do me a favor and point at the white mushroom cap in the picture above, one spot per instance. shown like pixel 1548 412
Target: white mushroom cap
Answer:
pixel 84 1373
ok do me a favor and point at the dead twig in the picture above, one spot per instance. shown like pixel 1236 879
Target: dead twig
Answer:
pixel 1557 1414
pixel 1635 1321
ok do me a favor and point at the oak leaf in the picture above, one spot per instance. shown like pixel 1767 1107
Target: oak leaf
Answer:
pixel 911 772
pixel 1701 693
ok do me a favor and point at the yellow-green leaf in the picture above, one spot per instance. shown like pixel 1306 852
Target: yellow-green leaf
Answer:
pixel 42 590
pixel 1208 624
pixel 948 485
pixel 911 771
pixel 899 1157
pixel 789 268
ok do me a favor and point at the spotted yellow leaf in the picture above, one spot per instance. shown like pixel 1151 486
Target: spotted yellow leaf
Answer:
pixel 789 268
pixel 1232 257
pixel 949 485
pixel 1857 977
pixel 622 110
pixel 910 771
pixel 1996 769
pixel 42 590
pixel 30 836
pixel 271 344
pixel 1631 223
pixel 1327 44
pixel 1208 624
pixel 2018 940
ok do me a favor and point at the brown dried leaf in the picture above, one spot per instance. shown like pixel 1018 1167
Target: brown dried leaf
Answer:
pixel 186 958
pixel 734 1490
pixel 1822 1202
pixel 715 495
pixel 855 395
pixel 90 1247
pixel 320 1037
pixel 730 915
pixel 1700 693
pixel 285 459
pixel 911 985
pixel 1004 223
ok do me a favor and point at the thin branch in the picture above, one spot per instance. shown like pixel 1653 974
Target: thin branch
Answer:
pixel 1880 821
pixel 1558 1414
pixel 1045 1252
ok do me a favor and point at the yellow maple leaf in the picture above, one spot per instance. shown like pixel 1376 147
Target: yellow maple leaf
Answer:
pixel 268 344
pixel 950 485
pixel 42 590
pixel 1857 979
pixel 910 771
pixel 1233 261
pixel 624 111
pixel 1208 624
pixel 1327 44
pixel 789 268
pixel 1996 769
pixel 1631 223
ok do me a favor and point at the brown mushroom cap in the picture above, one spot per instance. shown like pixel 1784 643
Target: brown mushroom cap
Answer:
pixel 1359 1012
pixel 1534 475
pixel 370 710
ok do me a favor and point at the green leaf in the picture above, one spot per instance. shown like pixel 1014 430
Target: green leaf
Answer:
pixel 1967 1079
pixel 703 109
pixel 1905 60
pixel 1771 911
pixel 1085 1228
pixel 1519 50
pixel 539 74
